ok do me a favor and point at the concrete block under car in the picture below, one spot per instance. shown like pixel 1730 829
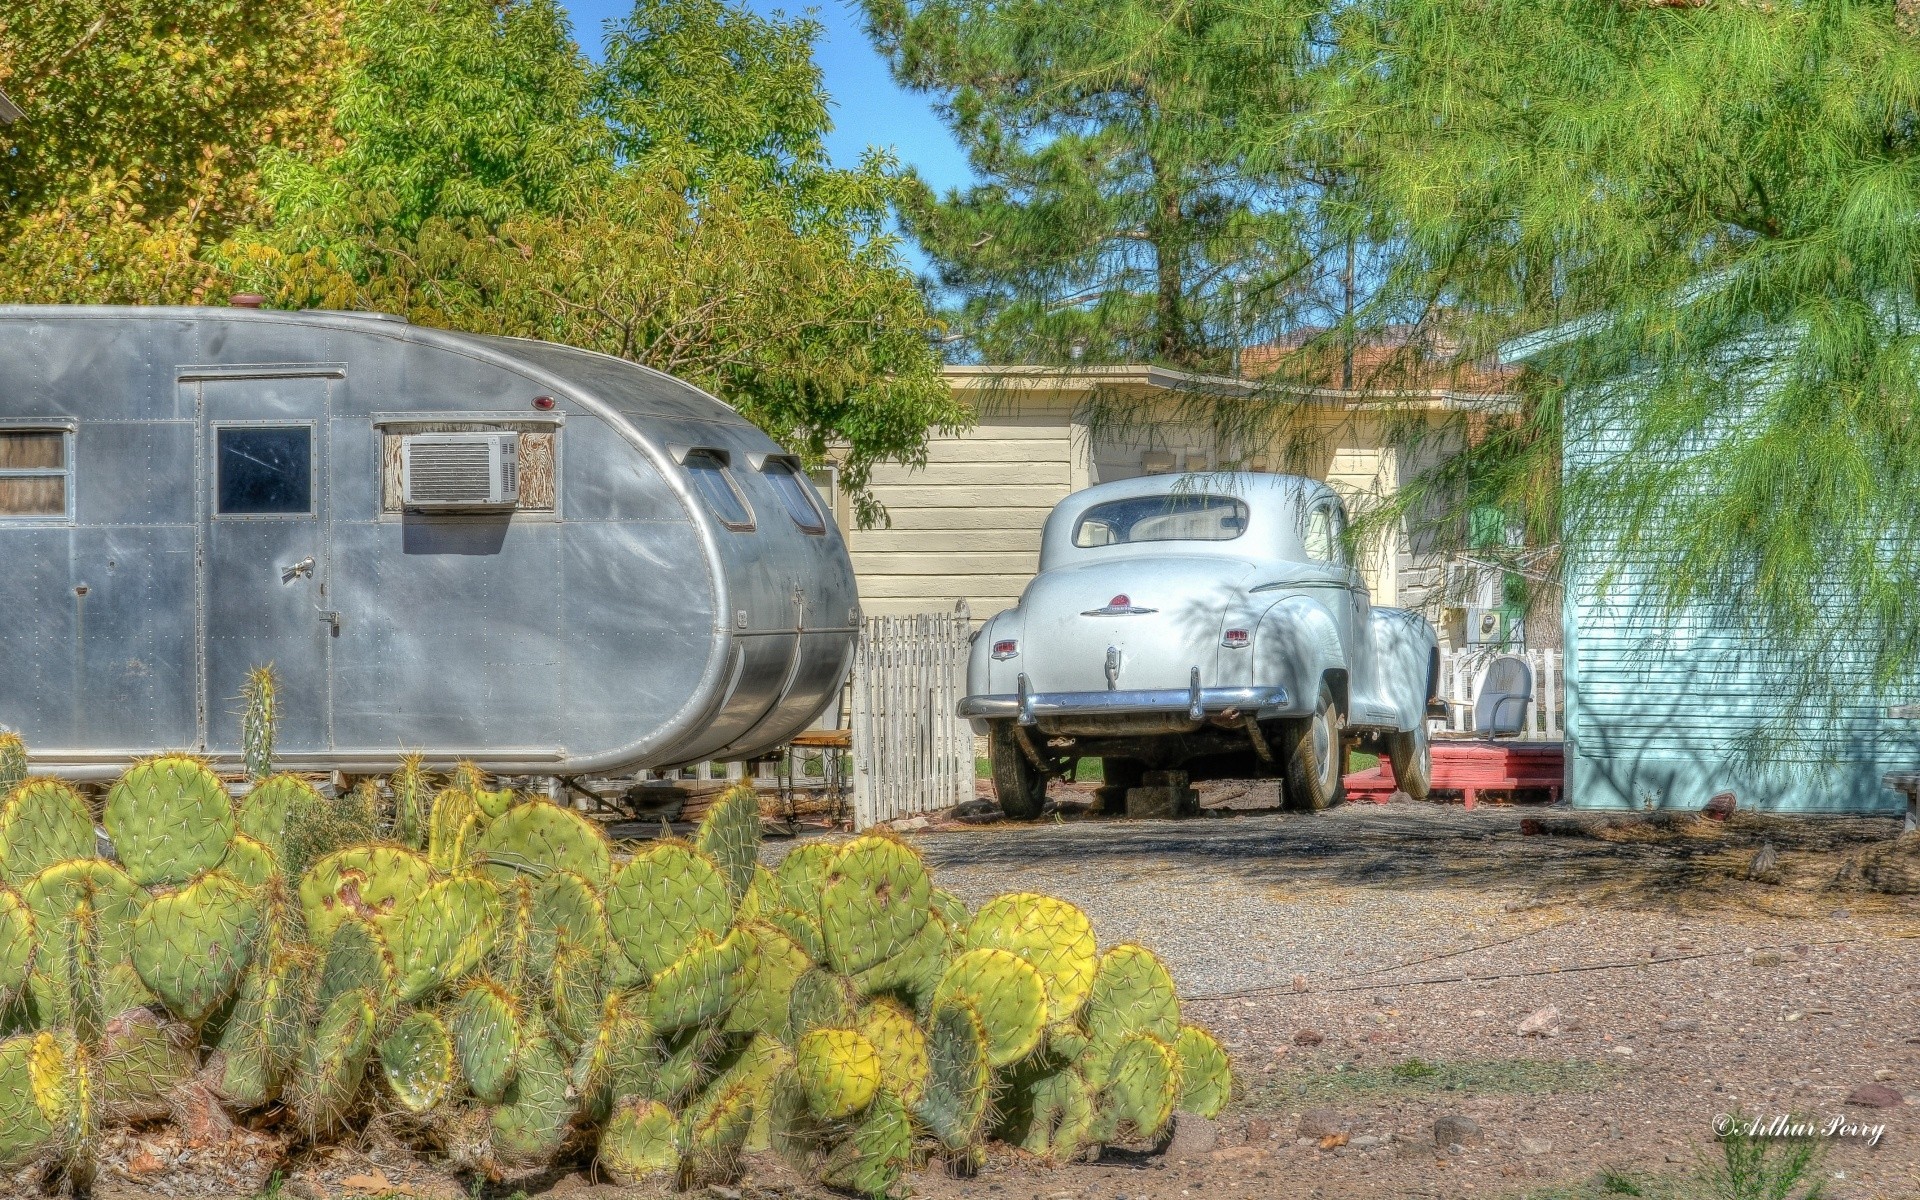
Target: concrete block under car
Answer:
pixel 1163 795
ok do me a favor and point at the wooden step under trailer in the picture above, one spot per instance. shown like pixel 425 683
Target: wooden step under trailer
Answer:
pixel 1470 768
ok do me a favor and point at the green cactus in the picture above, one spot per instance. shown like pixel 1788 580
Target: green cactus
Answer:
pixel 42 823
pixel 110 900
pixel 170 819
pixel 452 828
pixel 954 1104
pixel 379 884
pixel 1143 1082
pixel 762 1066
pixel 191 946
pixel 333 1063
pixel 567 946
pixel 659 903
pixel 538 838
pixel 142 1059
pixel 261 1039
pixel 763 896
pixel 531 1121
pixel 412 800
pixel 1008 995
pixel 416 1059
pixel 802 876
pixel 686 1062
pixel 697 987
pixel 268 809
pixel 764 992
pixel 473 781
pixel 871 1162
pixel 442 933
pixel 713 1131
pixel 248 862
pixel 902 1048
pixel 1060 1115
pixel 26 1131
pixel 802 929
pixel 16 946
pixel 487 1038
pixel 917 968
pixel 622 1057
pixel 1206 1075
pixel 820 998
pixel 951 909
pixel 67 1088
pixel 875 901
pixel 13 762
pixel 1131 993
pixel 838 1069
pixel 259 718
pixel 641 1141
pixel 730 836
pixel 1054 937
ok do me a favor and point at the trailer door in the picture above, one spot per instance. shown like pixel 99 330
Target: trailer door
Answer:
pixel 264 551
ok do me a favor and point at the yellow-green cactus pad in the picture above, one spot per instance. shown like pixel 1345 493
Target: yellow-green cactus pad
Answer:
pixel 42 823
pixel 820 998
pixel 902 1048
pixel 687 1062
pixel 417 1060
pixel 953 1105
pixel 268 808
pixel 763 997
pixel 640 1142
pixel 51 897
pixel 190 946
pixel 871 1162
pixel 495 804
pixel 763 896
pixel 16 945
pixel 620 1058
pixel 13 762
pixel 487 1039
pixel 443 933
pixel 1132 993
pixel 170 819
pixel 697 986
pixel 1055 937
pixel 1062 1115
pixel 1007 994
pixel 261 1039
pixel 659 903
pixel 249 861
pixel 803 876
pixel 452 828
pixel 356 959
pixel 532 1119
pixel 374 883
pixel 875 901
pixel 1206 1076
pixel 730 835
pixel 952 910
pixel 714 1130
pixel 839 1071
pixel 143 1058
pixel 803 929
pixel 538 838
pixel 333 1063
pixel 918 966
pixel 25 1130
pixel 1143 1083
pixel 412 801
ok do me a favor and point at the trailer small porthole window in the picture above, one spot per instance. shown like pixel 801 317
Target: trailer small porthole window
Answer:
pixel 709 473
pixel 265 470
pixel 33 473
pixel 795 494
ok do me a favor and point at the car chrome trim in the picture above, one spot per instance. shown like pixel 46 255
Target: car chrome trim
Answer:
pixel 1028 705
pixel 1124 610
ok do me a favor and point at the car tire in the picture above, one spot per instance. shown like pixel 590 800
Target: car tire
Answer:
pixel 1020 786
pixel 1411 754
pixel 1316 760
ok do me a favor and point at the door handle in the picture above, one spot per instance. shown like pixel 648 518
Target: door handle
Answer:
pixel 303 567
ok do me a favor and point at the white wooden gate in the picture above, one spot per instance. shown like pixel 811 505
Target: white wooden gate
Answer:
pixel 1462 670
pixel 911 754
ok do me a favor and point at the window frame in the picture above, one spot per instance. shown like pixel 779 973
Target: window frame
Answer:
pixel 1080 522
pixel 725 462
pixel 64 472
pixel 794 471
pixel 312 427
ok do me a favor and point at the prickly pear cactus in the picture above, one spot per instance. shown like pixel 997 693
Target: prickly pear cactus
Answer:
pixel 375 883
pixel 13 762
pixel 416 1060
pixel 567 912
pixel 730 836
pixel 170 819
pixel 261 1039
pixel 802 876
pixel 1008 995
pixel 487 1038
pixel 640 1142
pixel 42 823
pixel 902 1048
pixel 875 901
pixel 917 968
pixel 658 904
pixel 26 1130
pixel 259 718
pixel 954 1104
pixel 697 987
pixel 248 861
pixel 191 946
pixel 763 995
pixel 141 1059
pixel 1060 1115
pixel 443 933
pixel 1132 993
pixel 452 827
pixel 839 1071
pixel 333 1063
pixel 820 998
pixel 530 1123
pixel 268 808
pixel 1206 1076
pixel 538 838
pixel 412 801
pixel 1054 937
pixel 16 946
pixel 109 895
pixel 871 1161
pixel 356 960
pixel 1143 1082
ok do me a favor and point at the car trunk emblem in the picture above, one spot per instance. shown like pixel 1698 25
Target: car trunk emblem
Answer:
pixel 1119 606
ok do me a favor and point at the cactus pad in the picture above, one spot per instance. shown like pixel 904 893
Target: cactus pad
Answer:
pixel 25 1130
pixel 51 897
pixel 333 1063
pixel 453 825
pixel 918 966
pixel 567 912
pixel 538 838
pixel 659 903
pixel 640 1141
pixel 142 1058
pixel 374 883
pixel 803 929
pixel 169 819
pixel 1054 937
pixel 714 1129
pixel 412 801
pixel 901 1046
pixel 357 959
pixel 42 823
pixel 1206 1077
pixel 802 875
pixel 16 945
pixel 697 986
pixel 1060 1115
pixel 875 901
pixel 1143 1082
pixel 871 1161
pixel 839 1071
pixel 13 762
pixel 1008 995
pixel 248 861
pixel 417 1061
pixel 820 998
pixel 730 836
pixel 1132 993
pixel 487 1038
pixel 763 896
pixel 261 1039
pixel 532 1119
pixel 270 806
pixel 443 933
pixel 763 996
pixel 190 946
pixel 954 1103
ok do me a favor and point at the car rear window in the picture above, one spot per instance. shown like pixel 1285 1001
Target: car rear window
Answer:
pixel 1179 517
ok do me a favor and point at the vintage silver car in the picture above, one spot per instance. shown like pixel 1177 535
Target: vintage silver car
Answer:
pixel 1210 626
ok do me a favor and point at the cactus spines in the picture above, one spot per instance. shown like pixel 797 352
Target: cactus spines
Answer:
pixel 730 835
pixel 916 968
pixel 567 912
pixel 820 998
pixel 1054 937
pixel 248 861
pixel 98 894
pixel 443 933
pixel 452 825
pixel 356 959
pixel 620 1058
pixel 802 875
pixel 875 901
pixel 952 910
pixel 16 945
pixel 763 995
pixel 13 761
pixel 332 1064
pixel 1131 993
pixel 640 1141
pixel 1143 1082
pixel 1007 993
pixel 412 800
pixel 416 1059
pixel 697 986
pixel 268 808
pixel 262 1037
pixel 1061 1115
pixel 953 1106
pixel 1206 1075
pixel 190 946
pixel 142 1058
pixel 170 819
pixel 659 903
pixel 839 1071
pixel 375 883
pixel 538 838
pixel 42 823
pixel 802 929
pixel 902 1048
pixel 871 1161
pixel 763 896
pixel 713 1130
pixel 687 1062
pixel 487 1038
pixel 25 1130
pixel 259 717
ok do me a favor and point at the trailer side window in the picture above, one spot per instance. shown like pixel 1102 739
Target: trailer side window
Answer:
pixel 33 473
pixel 795 494
pixel 266 470
pixel 715 485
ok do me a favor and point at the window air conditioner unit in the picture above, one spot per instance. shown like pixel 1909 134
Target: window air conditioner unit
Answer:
pixel 443 471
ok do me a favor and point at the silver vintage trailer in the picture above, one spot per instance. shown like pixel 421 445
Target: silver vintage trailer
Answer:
pixel 539 558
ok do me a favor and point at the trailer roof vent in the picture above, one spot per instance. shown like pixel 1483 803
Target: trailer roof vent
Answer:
pixel 441 471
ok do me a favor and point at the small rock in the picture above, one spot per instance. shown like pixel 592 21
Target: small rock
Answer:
pixel 1721 806
pixel 1386 999
pixel 1680 1025
pixel 1883 1074
pixel 1535 1146
pixel 1457 1129
pixel 1626 1050
pixel 1193 1135
pixel 1876 1095
pixel 1321 1122
pixel 723 1193
pixel 1308 1037
pixel 909 824
pixel 1259 1130
pixel 1765 958
pixel 1299 983
pixel 1765 867
pixel 1540 1022
pixel 1365 1141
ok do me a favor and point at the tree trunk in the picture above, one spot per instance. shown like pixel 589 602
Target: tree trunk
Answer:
pixel 1169 306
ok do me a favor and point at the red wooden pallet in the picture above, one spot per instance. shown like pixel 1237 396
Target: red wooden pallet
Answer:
pixel 1474 767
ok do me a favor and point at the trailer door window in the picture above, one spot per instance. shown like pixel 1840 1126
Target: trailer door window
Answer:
pixel 33 473
pixel 265 470
pixel 709 473
pixel 795 494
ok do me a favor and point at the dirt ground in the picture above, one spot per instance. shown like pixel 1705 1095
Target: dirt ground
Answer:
pixel 1371 968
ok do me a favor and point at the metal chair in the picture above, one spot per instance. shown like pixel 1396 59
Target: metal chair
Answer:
pixel 1500 710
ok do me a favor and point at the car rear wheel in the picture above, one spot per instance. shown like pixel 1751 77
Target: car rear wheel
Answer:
pixel 1020 786
pixel 1411 754
pixel 1316 761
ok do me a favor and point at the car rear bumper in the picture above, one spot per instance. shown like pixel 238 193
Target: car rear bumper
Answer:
pixel 1194 703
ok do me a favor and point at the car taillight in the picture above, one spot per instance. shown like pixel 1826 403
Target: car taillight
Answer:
pixel 1236 639
pixel 1007 649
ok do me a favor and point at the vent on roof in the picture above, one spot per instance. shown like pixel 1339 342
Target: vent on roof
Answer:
pixel 460 470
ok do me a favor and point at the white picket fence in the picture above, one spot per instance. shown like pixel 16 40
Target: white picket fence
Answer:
pixel 1462 670
pixel 911 754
